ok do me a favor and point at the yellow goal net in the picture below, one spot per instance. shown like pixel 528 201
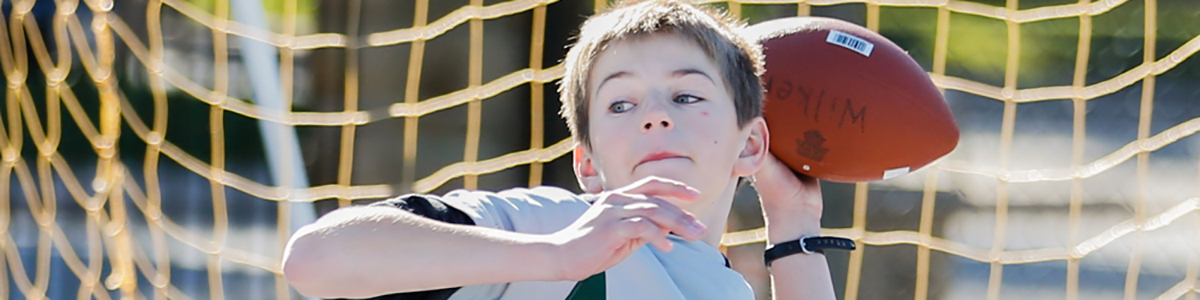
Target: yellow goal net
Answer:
pixel 157 149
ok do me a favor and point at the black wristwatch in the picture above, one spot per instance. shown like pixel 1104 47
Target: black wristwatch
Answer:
pixel 806 245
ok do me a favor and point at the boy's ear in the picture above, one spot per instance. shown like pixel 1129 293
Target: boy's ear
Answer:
pixel 589 179
pixel 754 152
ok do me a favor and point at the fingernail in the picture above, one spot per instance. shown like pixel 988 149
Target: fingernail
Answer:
pixel 697 227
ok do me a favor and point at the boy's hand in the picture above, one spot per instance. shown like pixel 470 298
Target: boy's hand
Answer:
pixel 791 201
pixel 619 223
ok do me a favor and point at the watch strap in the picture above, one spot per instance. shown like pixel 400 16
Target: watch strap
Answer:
pixel 806 245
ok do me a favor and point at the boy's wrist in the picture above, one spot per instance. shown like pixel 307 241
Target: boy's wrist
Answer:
pixel 791 215
pixel 783 228
pixel 782 235
pixel 539 258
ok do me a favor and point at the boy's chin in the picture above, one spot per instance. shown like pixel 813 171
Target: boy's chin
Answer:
pixel 684 175
pixel 656 169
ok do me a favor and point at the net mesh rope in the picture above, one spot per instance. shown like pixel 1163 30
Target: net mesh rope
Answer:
pixel 108 215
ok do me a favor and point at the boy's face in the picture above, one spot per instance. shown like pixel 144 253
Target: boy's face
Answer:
pixel 659 106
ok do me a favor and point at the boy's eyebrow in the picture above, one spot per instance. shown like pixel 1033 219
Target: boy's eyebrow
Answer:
pixel 686 71
pixel 676 73
pixel 611 76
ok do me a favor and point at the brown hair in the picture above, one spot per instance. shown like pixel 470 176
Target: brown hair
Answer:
pixel 719 35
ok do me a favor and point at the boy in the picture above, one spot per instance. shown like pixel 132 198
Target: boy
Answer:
pixel 664 101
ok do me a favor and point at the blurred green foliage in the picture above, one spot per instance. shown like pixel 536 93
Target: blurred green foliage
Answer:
pixel 272 6
pixel 306 11
pixel 978 47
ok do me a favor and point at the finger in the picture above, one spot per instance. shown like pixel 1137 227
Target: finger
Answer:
pixel 668 217
pixel 776 179
pixel 772 170
pixel 662 187
pixel 644 231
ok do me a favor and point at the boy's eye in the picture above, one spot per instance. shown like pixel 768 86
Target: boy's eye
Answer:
pixel 685 98
pixel 620 107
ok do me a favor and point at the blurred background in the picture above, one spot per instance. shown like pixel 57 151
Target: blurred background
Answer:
pixel 147 145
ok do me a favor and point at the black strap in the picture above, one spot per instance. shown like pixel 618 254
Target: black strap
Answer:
pixel 806 245
pixel 592 288
pixel 820 243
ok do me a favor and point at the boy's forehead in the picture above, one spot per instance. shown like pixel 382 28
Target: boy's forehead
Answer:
pixel 665 50
pixel 657 38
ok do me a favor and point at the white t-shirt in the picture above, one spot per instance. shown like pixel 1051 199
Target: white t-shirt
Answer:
pixel 691 271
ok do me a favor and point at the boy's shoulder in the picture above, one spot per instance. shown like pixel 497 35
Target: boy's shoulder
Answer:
pixel 541 209
pixel 538 196
pixel 535 195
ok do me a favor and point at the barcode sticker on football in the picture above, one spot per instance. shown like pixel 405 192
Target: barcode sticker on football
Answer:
pixel 850 42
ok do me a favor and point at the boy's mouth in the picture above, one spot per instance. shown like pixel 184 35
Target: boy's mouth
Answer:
pixel 656 156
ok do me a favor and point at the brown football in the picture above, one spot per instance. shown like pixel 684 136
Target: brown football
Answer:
pixel 846 104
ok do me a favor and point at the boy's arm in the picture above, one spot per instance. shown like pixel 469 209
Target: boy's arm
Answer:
pixel 792 208
pixel 798 276
pixel 360 252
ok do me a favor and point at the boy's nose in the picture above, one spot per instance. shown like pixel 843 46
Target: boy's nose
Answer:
pixel 657 116
pixel 666 124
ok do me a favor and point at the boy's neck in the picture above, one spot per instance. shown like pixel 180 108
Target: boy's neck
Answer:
pixel 717 216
